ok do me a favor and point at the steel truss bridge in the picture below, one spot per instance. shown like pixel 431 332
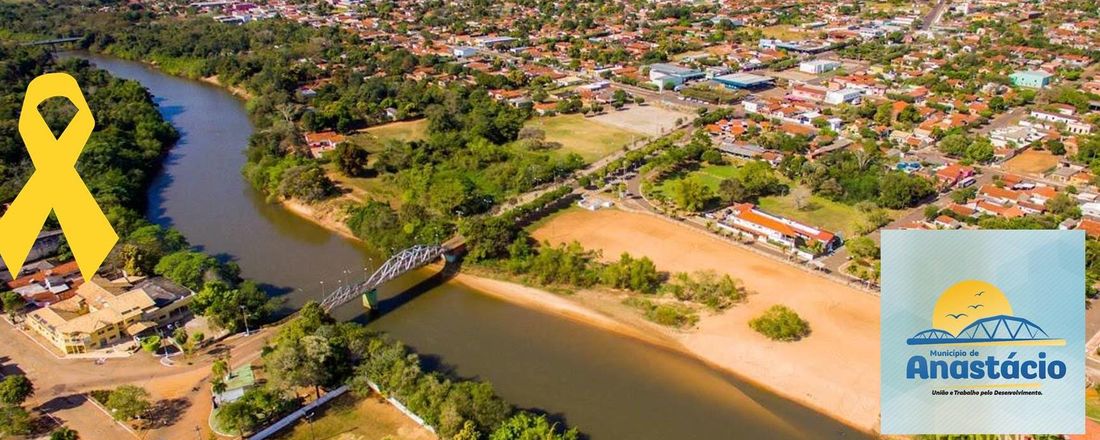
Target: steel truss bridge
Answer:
pixel 400 263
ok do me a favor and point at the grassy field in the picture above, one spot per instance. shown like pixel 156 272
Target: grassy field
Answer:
pixel 375 137
pixel 710 175
pixel 784 32
pixel 822 213
pixel 1031 162
pixel 348 418
pixel 363 189
pixel 577 134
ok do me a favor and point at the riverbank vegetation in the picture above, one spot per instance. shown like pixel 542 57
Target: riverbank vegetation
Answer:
pixel 118 163
pixel 780 323
pixel 469 158
pixel 503 245
pixel 313 351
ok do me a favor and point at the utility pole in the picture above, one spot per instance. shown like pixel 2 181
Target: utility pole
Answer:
pixel 245 316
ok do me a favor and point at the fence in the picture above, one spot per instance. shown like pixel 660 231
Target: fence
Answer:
pixel 401 407
pixel 301 412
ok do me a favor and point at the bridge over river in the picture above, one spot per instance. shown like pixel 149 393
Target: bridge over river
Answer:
pixel 400 263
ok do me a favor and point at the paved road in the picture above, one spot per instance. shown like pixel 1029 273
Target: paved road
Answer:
pixel 1005 119
pixel 934 15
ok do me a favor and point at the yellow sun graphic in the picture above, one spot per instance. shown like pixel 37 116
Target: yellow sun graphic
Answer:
pixel 966 302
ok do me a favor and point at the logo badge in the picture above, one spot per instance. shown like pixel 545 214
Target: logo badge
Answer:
pixel 983 332
pixel 55 185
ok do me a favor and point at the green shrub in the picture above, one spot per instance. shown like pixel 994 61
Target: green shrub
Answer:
pixel 150 344
pixel 780 323
pixel 672 315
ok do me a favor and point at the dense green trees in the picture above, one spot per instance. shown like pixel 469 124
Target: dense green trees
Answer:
pixel 15 389
pixel 527 426
pixel 14 420
pixel 121 154
pixel 64 433
pixel 352 159
pixel 852 177
pixel 313 350
pixel 637 274
pixel 899 190
pixel 690 194
pixel 253 409
pixel 231 307
pixel 127 402
pixel 188 268
pixel 753 180
pixel 12 302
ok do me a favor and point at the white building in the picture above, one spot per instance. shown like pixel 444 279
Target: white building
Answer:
pixel 849 95
pixel 1091 209
pixel 464 51
pixel 818 66
pixel 1073 124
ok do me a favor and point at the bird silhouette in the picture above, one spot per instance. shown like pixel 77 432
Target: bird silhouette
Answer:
pixel 979 293
pixel 957 315
pixel 975 306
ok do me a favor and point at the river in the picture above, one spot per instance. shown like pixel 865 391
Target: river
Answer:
pixel 608 386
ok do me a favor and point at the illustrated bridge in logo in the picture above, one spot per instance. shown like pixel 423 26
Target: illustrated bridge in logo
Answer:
pixel 991 330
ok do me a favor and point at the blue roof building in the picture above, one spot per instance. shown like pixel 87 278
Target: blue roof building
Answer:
pixel 1036 79
pixel 744 81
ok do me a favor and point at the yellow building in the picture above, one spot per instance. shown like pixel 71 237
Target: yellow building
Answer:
pixel 106 312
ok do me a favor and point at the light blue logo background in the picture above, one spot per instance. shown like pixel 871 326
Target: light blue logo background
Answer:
pixel 1041 273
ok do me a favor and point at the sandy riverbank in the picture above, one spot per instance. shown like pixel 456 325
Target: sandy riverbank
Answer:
pixel 235 90
pixel 835 370
pixel 328 215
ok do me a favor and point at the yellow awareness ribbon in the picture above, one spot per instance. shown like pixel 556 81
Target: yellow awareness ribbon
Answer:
pixel 55 184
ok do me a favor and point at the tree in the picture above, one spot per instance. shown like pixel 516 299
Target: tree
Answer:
pixel 801 196
pixel 64 433
pixel 488 237
pixel 691 195
pixel 12 302
pixel 526 426
pixel 228 307
pixel 954 145
pixel 188 268
pixel 305 182
pixel 900 190
pixel 1063 206
pixel 780 323
pixel 180 335
pixel 863 248
pixel 980 151
pixel 964 195
pixel 15 389
pixel 351 159
pixel 931 212
pixel 713 157
pixel 635 274
pixel 128 402
pixel 14 420
pixel 300 362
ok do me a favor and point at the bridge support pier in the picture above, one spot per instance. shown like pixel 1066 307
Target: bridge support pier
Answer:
pixel 370 299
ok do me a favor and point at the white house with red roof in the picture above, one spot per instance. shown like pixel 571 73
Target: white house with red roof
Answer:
pixel 746 217
pixel 322 142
